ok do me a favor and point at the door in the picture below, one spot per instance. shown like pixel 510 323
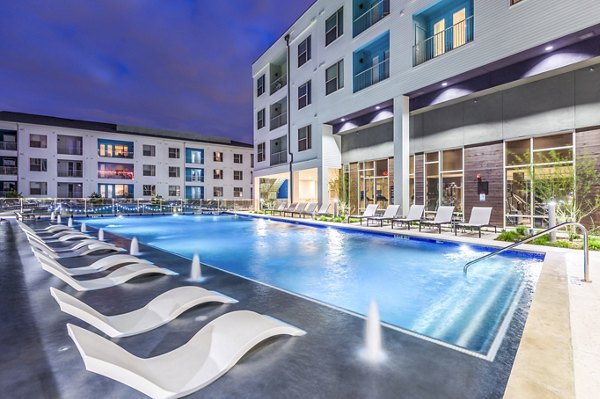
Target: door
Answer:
pixel 439 38
pixel 459 28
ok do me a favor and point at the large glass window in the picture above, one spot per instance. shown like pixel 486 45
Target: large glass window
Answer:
pixel 38 188
pixel 38 141
pixel 149 150
pixel 444 180
pixel 304 138
pixel 304 95
pixel 373 183
pixel 115 149
pixel 260 152
pixel 38 164
pixel 193 155
pixel 535 170
pixel 149 170
pixel 260 85
pixel 260 119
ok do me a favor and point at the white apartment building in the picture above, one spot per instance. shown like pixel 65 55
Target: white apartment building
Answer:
pixel 420 101
pixel 44 156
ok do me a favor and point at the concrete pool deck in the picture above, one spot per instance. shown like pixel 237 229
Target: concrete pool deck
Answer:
pixel 324 363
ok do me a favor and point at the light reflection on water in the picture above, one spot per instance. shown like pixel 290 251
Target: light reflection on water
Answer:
pixel 418 285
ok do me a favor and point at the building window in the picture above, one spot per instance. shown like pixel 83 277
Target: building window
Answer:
pixel 115 190
pixel 218 174
pixel 238 192
pixel 68 168
pixel 238 158
pixel 529 165
pixel 194 174
pixel 38 141
pixel 149 190
pixel 149 170
pixel 174 153
pixel 149 150
pixel 38 164
pixel 194 156
pixel 218 156
pixel 217 191
pixel 334 26
pixel 174 191
pixel 260 152
pixel 69 190
pixel 304 52
pixel 38 188
pixel 194 192
pixel 305 138
pixel 115 149
pixel 260 85
pixel 69 145
pixel 444 179
pixel 432 181
pixel 513 2
pixel 238 175
pixel 174 171
pixel 411 178
pixel 260 119
pixel 304 95
pixel 334 77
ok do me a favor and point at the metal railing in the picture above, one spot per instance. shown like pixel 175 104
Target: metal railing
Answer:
pixel 372 75
pixel 123 154
pixel 278 157
pixel 375 13
pixel 586 254
pixel 278 121
pixel 442 42
pixel 8 170
pixel 115 206
pixel 69 173
pixel 279 83
pixel 8 145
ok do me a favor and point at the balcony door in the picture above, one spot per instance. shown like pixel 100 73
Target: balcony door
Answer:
pixel 439 37
pixel 459 28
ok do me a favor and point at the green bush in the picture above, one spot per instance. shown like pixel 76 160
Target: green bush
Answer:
pixel 594 243
pixel 521 230
pixel 510 236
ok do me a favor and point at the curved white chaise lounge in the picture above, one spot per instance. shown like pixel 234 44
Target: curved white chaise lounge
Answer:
pixel 105 263
pixel 159 311
pixel 119 276
pixel 85 247
pixel 213 351
pixel 54 228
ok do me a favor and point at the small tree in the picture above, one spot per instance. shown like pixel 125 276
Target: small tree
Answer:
pixel 13 193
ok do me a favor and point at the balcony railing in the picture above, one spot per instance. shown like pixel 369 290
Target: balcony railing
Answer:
pixel 8 170
pixel 8 145
pixel 278 120
pixel 278 157
pixel 115 174
pixel 444 41
pixel 374 74
pixel 199 179
pixel 377 12
pixel 124 154
pixel 70 173
pixel 278 83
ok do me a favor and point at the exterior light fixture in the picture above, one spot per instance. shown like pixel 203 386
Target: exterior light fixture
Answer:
pixel 549 48
pixel 378 107
pixel 444 84
pixel 343 119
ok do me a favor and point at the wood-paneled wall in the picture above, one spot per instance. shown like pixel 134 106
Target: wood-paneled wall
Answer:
pixel 419 179
pixel 488 161
pixel 587 143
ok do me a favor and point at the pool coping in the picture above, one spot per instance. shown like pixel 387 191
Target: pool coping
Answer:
pixel 543 365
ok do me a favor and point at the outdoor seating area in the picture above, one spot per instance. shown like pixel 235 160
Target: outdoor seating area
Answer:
pixel 213 350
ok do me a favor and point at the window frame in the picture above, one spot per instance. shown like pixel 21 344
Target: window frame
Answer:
pixel 238 158
pixel 261 120
pixel 43 164
pixel 152 190
pixel 218 158
pixel 307 139
pixel 304 55
pixel 177 191
pixel 152 151
pixel 239 190
pixel 174 151
pixel 38 135
pixel 217 174
pixel 174 168
pixel 261 152
pixel 218 191
pixel 260 85
pixel 238 175
pixel 338 26
pixel 305 99
pixel 152 170
pixel 339 65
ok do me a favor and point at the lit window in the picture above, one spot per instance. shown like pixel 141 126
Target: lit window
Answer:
pixel 218 156
pixel 148 190
pixel 38 141
pixel 218 174
pixel 217 191
pixel 238 192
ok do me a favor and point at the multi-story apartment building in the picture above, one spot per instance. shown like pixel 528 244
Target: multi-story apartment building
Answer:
pixel 425 101
pixel 44 156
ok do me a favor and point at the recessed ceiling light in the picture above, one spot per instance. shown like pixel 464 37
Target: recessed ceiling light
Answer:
pixel 444 84
pixel 343 119
pixel 586 36
pixel 549 48
pixel 378 107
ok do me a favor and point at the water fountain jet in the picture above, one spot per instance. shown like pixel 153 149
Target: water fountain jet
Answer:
pixel 70 222
pixel 59 219
pixel 52 216
pixel 196 271
pixel 373 351
pixel 83 227
pixel 134 248
pixel 101 234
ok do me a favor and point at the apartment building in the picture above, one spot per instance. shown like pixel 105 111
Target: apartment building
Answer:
pixel 43 156
pixel 450 102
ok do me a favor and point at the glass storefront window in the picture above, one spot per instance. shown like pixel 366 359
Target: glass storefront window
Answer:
pixel 518 152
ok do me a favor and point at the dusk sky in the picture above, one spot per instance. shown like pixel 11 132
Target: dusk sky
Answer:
pixel 170 64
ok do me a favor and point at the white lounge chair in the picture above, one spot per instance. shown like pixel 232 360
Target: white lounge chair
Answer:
pixel 105 263
pixel 119 276
pixel 212 352
pixel 68 237
pixel 84 247
pixel 480 217
pixel 279 209
pixel 159 311
pixel 390 213
pixel 442 216
pixel 54 228
pixel 415 214
pixel 369 212
pixel 296 210
pixel 323 210
pixel 309 210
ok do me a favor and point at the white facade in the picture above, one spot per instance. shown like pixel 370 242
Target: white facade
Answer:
pixel 78 173
pixel 499 30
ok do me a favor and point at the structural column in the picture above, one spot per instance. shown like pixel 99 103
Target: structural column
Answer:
pixel 401 152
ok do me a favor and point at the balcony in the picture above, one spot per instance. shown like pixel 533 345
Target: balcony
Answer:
pixel 375 74
pixel 442 42
pixel 371 63
pixel 375 12
pixel 8 145
pixel 278 83
pixel 278 75
pixel 115 171
pixel 115 149
pixel 278 114
pixel 194 175
pixel 194 156
pixel 278 120
pixel 278 157
pixel 8 170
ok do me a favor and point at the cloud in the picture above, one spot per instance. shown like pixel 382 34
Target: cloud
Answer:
pixel 183 65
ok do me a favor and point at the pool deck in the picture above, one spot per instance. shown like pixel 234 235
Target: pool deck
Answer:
pixel 39 359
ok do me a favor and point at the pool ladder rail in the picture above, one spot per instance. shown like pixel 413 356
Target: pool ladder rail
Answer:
pixel 586 254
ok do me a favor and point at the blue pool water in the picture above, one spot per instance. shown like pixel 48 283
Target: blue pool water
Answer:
pixel 419 285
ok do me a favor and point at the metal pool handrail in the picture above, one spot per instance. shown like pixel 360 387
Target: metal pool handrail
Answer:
pixel 586 254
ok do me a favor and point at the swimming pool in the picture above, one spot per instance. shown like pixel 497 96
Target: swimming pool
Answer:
pixel 418 284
